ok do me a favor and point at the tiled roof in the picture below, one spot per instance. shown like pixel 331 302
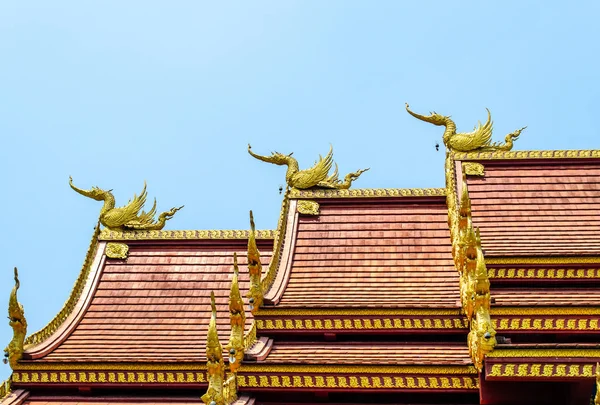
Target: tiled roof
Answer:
pixel 381 353
pixel 373 253
pixel 538 208
pixel 155 305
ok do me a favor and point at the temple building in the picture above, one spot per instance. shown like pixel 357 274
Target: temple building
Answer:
pixel 486 291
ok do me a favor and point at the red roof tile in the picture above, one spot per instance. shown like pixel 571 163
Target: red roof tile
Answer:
pixel 381 353
pixel 373 253
pixel 542 208
pixel 155 306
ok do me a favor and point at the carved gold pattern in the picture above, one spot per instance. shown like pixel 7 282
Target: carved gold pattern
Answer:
pixel 117 250
pixel 269 277
pixel 597 396
pixel 127 377
pixel 255 292
pixel 473 169
pixel 352 324
pixel 130 216
pixel 561 260
pixel 369 192
pixel 214 363
pixel 544 370
pixel 545 324
pixel 546 311
pixel 68 307
pixel 18 323
pixel 359 381
pixel 561 273
pixel 308 207
pixel 540 352
pixel 528 154
pixel 107 234
pixel 237 315
pixel 250 337
pixel 5 388
pixel 316 176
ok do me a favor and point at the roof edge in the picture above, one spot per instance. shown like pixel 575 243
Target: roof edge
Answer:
pixel 529 154
pixel 368 192
pixel 226 234
pixel 40 336
pixel 15 397
pixel 43 342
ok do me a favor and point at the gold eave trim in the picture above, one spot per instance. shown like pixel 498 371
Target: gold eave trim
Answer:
pixel 368 192
pixel 107 234
pixel 518 353
pixel 358 311
pixel 528 154
pixel 543 273
pixel 544 260
pixel 317 368
pixel 545 310
pixel 84 366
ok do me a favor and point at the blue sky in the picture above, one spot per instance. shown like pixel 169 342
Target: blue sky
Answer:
pixel 115 93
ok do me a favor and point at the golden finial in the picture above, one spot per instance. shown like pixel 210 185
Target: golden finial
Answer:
pixel 255 294
pixel 238 322
pixel 16 315
pixel 214 360
pixel 316 176
pixel 129 217
pixel 480 139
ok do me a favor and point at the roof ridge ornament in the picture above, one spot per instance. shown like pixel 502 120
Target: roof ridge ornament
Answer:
pixel 238 322
pixel 214 360
pixel 16 315
pixel 479 140
pixel 255 293
pixel 129 217
pixel 315 177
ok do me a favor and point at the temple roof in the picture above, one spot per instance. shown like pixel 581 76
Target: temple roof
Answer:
pixel 385 252
pixel 153 306
pixel 541 207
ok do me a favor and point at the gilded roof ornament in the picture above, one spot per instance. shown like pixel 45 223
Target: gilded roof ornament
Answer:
pixel 214 360
pixel 18 323
pixel 308 207
pixel 473 169
pixel 256 293
pixel 129 217
pixel 237 320
pixel 117 250
pixel 317 176
pixel 480 139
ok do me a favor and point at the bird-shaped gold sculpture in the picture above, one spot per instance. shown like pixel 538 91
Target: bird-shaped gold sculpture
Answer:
pixel 316 176
pixel 129 216
pixel 480 139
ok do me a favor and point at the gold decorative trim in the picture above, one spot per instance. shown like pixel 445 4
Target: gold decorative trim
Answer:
pixel 528 154
pixel 269 277
pixel 308 207
pixel 369 192
pixel 91 377
pixel 107 234
pixel 499 352
pixel 250 337
pixel 546 311
pixel 364 382
pixel 519 273
pixel 541 324
pixel 69 305
pixel 340 324
pixel 117 250
pixel 355 312
pixel 541 370
pixel 5 389
pixel 544 260
pixel 273 368
pixel 473 169
pixel 34 366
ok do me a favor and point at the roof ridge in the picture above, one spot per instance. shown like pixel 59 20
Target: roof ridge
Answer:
pixel 368 192
pixel 529 154
pixel 107 234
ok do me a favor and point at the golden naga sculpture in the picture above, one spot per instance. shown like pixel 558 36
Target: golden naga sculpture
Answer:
pixel 317 176
pixel 479 140
pixel 255 294
pixel 238 322
pixel 128 217
pixel 18 323
pixel 214 361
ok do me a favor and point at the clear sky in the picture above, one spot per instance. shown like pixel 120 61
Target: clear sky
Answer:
pixel 115 93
